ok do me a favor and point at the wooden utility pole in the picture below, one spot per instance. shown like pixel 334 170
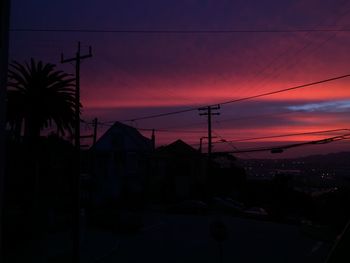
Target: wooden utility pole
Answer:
pixel 209 113
pixel 77 59
pixel 4 41
pixel 201 142
pixel 77 212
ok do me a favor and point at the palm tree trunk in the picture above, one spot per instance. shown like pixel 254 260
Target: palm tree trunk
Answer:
pixel 31 129
pixel 17 130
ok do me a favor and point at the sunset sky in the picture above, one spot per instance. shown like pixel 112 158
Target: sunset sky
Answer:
pixel 137 74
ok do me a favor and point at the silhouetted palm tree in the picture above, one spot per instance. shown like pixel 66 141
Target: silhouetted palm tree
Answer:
pixel 38 95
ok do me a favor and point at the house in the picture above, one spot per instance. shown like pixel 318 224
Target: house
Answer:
pixel 227 177
pixel 120 161
pixel 178 173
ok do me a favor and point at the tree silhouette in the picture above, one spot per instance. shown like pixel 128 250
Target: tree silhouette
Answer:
pixel 38 95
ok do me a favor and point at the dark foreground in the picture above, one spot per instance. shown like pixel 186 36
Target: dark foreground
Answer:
pixel 184 238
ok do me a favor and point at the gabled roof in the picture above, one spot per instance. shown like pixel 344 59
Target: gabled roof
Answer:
pixel 178 147
pixel 122 137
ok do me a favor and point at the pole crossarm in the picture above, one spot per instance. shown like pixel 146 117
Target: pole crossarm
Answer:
pixel 209 113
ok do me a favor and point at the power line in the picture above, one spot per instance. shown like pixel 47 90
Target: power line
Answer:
pixel 174 128
pixel 237 100
pixel 229 142
pixel 152 31
pixel 284 135
pixel 161 115
pixel 288 146
pixel 171 131
pixel 276 136
pixel 236 140
pixel 284 90
pixel 110 124
pixel 223 140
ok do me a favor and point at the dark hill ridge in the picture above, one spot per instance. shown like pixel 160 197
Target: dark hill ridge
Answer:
pixel 334 158
pixel 341 157
pixel 332 165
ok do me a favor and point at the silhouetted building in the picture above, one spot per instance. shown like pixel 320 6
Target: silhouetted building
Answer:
pixel 227 176
pixel 120 164
pixel 178 172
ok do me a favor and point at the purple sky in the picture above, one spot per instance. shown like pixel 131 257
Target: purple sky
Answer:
pixel 133 74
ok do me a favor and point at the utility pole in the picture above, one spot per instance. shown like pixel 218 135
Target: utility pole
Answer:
pixel 77 59
pixel 209 113
pixel 77 212
pixel 4 42
pixel 201 142
pixel 94 124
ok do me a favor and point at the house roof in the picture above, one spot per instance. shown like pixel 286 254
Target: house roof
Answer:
pixel 178 147
pixel 122 137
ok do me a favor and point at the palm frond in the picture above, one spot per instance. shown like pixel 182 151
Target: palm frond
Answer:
pixel 41 95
